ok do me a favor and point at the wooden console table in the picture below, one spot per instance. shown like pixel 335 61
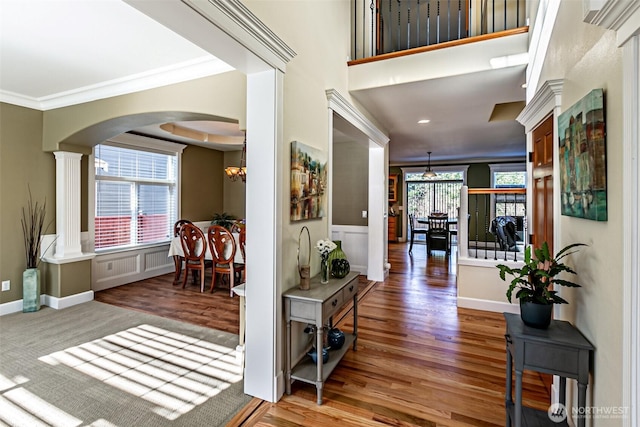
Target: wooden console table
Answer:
pixel 559 350
pixel 317 306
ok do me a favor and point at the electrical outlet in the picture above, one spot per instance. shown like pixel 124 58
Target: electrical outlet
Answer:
pixel 109 266
pixel 6 285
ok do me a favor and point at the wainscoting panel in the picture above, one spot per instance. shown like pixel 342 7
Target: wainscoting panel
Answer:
pixel 355 243
pixel 119 268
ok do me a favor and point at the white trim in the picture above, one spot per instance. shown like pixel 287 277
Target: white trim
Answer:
pixel 257 37
pixel 631 234
pixel 341 106
pixel 145 143
pixel 50 301
pixel 487 305
pixel 151 79
pixel 507 167
pixel 539 44
pixel 436 169
pixel 623 16
pixel 11 307
pixel 66 302
pixel 541 104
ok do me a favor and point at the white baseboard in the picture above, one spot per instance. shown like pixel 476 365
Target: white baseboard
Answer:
pixel 488 305
pixel 49 301
pixel 10 307
pixel 65 302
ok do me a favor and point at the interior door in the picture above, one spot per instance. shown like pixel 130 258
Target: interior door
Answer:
pixel 542 214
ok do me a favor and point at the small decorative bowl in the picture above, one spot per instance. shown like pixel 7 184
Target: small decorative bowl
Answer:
pixel 314 356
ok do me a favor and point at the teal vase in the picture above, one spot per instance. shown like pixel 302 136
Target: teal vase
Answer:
pixel 337 253
pixel 30 290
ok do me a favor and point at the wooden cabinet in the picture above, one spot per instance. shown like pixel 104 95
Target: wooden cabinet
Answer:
pixel 393 228
pixel 316 306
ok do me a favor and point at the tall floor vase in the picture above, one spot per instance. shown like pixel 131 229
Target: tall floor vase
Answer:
pixel 30 290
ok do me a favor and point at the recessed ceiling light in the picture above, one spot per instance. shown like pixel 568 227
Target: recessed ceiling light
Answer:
pixel 423 121
pixel 524 86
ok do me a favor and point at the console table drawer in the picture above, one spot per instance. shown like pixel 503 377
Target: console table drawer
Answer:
pixel 562 361
pixel 349 291
pixel 330 306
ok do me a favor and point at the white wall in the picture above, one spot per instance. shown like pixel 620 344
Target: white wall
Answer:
pixel 585 57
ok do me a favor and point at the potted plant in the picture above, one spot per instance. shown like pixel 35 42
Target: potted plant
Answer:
pixel 534 283
pixel 223 220
pixel 32 229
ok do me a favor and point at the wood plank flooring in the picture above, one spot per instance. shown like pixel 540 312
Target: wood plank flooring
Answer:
pixel 421 361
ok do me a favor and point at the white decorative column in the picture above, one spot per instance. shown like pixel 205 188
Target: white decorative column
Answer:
pixel 67 205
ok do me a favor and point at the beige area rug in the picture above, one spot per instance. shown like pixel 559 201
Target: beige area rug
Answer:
pixel 99 365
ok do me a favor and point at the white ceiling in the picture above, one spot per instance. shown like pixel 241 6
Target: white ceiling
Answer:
pixel 55 53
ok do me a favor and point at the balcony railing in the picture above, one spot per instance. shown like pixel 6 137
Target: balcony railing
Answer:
pixel 496 226
pixel 385 26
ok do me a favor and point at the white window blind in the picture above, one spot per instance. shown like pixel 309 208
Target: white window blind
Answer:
pixel 136 198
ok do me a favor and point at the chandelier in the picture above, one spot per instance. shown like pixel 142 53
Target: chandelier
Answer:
pixel 429 174
pixel 235 172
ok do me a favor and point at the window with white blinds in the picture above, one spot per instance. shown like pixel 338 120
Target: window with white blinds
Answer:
pixel 136 196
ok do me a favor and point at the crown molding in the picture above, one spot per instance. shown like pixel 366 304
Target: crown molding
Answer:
pixel 622 16
pixel 548 97
pixel 188 70
pixel 238 22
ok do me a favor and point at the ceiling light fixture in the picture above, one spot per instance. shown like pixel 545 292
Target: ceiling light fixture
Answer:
pixel 429 174
pixel 423 121
pixel 235 172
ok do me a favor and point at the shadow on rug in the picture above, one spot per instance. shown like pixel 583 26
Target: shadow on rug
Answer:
pixel 99 365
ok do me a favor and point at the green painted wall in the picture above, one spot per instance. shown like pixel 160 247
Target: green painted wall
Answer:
pixel 350 188
pixel 23 164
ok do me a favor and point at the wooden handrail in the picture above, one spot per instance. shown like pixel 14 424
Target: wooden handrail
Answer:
pixel 422 49
pixel 497 191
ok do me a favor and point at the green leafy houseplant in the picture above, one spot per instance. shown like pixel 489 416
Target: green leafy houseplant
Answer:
pixel 224 220
pixel 534 280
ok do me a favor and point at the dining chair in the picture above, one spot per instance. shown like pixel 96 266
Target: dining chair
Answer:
pixel 223 252
pixel 194 246
pixel 415 230
pixel 177 260
pixel 242 240
pixel 179 223
pixel 438 233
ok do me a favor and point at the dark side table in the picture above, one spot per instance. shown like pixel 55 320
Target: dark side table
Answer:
pixel 559 350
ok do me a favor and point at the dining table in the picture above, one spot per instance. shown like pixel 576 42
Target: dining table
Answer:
pixel 176 251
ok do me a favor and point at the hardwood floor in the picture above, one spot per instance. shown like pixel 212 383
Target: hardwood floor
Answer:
pixel 421 361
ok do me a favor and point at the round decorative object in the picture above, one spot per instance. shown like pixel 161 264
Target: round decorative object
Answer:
pixel 337 253
pixel 335 338
pixel 313 354
pixel 536 315
pixel 340 268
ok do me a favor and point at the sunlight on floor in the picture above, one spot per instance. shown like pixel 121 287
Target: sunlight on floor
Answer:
pixel 173 371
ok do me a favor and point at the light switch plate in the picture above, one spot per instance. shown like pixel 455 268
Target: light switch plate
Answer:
pixel 6 285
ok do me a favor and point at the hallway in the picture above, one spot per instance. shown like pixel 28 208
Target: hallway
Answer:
pixel 421 361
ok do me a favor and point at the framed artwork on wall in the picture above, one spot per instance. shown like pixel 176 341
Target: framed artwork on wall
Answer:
pixel 393 188
pixel 308 182
pixel 583 158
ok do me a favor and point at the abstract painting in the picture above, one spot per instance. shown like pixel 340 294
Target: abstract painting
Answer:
pixel 583 166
